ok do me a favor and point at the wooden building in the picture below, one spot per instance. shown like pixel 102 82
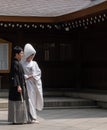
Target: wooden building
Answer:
pixel 70 39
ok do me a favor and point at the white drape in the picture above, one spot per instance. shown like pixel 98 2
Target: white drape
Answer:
pixel 34 84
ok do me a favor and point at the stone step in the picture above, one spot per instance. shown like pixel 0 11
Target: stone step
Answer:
pixel 68 102
pixel 56 99
pixel 3 103
pixel 59 102
pixel 3 93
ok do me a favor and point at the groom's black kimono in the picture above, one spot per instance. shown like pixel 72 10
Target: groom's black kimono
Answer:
pixel 18 109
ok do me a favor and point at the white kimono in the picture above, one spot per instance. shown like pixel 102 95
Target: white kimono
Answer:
pixel 34 85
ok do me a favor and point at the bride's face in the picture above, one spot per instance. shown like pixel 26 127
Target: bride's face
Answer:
pixel 30 58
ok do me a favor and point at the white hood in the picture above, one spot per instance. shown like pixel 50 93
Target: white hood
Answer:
pixel 28 50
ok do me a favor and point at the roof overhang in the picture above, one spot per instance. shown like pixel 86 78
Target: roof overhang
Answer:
pixel 68 17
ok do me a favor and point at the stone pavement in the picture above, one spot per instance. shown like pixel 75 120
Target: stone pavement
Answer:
pixel 62 119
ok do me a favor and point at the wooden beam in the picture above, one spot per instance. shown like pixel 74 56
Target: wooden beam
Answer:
pixel 27 19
